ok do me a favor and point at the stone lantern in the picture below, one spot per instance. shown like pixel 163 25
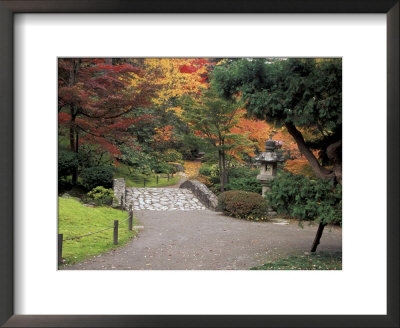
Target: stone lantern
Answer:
pixel 269 161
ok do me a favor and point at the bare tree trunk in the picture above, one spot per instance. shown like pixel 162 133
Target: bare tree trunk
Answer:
pixel 317 237
pixel 73 134
pixel 225 172
pixel 72 137
pixel 221 173
pixel 319 170
pixel 73 143
pixel 76 141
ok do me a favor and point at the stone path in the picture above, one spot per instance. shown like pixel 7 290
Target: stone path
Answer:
pixel 162 199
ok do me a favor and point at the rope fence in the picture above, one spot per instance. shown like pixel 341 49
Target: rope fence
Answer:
pixel 115 234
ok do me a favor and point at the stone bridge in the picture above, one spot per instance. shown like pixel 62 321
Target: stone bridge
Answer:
pixel 192 195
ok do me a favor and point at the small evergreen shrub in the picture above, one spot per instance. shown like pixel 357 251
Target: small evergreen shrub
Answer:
pixel 306 199
pixel 97 176
pixel 205 170
pixel 208 170
pixel 245 184
pixel 101 196
pixel 162 167
pixel 67 162
pixel 243 204
pixel 243 172
pixel 239 178
pixel 64 184
pixel 172 155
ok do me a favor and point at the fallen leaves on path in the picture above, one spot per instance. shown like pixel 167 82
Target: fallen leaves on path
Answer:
pixel 192 168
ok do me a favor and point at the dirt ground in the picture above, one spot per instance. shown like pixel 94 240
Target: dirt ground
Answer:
pixel 207 240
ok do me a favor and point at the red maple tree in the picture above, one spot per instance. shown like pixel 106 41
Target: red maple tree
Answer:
pixel 96 100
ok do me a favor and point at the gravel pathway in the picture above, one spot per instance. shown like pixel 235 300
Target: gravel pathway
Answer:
pixel 207 240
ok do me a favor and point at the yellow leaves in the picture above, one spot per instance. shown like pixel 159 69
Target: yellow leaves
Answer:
pixel 192 168
pixel 177 110
pixel 171 80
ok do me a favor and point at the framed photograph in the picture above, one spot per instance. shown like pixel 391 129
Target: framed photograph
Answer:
pixel 168 111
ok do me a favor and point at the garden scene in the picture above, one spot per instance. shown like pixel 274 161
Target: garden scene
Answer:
pixel 200 163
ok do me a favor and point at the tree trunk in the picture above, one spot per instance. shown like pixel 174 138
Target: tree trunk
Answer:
pixel 72 137
pixel 225 172
pixel 73 143
pixel 221 174
pixel 334 154
pixel 317 237
pixel 77 141
pixel 319 170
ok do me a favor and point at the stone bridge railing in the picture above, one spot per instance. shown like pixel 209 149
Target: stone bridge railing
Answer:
pixel 200 190
pixel 119 188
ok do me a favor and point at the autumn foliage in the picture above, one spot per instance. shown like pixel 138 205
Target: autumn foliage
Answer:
pixel 119 104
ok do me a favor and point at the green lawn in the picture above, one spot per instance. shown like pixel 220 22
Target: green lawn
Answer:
pixel 75 219
pixel 319 261
pixel 136 180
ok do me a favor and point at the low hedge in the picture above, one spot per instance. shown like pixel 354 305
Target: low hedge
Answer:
pixel 243 204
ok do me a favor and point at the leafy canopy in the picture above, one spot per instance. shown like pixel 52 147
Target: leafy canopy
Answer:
pixel 304 92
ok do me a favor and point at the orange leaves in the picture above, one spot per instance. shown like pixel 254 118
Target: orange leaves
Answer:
pixel 164 134
pixel 256 130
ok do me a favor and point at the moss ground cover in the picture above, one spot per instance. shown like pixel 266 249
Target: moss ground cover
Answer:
pixel 75 219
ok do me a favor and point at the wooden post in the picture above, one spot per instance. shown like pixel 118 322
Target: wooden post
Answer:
pixel 115 232
pixel 60 242
pixel 168 176
pixel 157 179
pixel 144 182
pixel 130 208
pixel 122 202
pixel 130 221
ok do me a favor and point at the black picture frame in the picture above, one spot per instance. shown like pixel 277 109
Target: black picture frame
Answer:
pixel 10 7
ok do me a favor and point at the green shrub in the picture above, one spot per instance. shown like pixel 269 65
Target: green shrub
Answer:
pixel 172 155
pixel 162 167
pixel 205 170
pixel 243 172
pixel 306 199
pixel 209 170
pixel 101 196
pixel 245 184
pixel 64 184
pixel 243 204
pixel 240 178
pixel 97 176
pixel 67 162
